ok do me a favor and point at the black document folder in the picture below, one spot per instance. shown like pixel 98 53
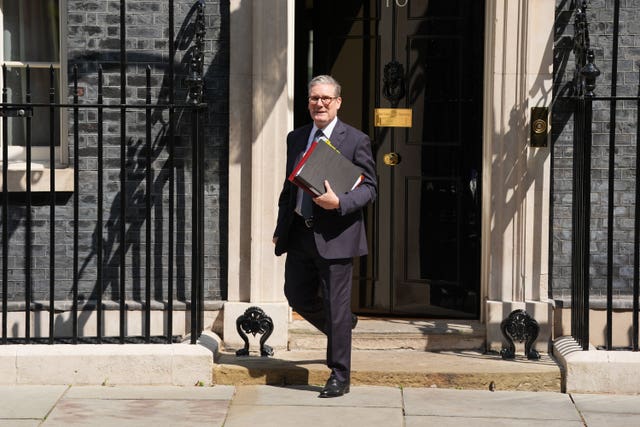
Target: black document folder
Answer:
pixel 323 161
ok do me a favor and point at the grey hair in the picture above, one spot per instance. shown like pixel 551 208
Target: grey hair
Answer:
pixel 325 80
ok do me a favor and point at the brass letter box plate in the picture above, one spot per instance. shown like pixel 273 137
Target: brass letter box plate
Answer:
pixel 393 117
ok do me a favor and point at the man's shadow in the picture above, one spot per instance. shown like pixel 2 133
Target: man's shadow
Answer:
pixel 170 155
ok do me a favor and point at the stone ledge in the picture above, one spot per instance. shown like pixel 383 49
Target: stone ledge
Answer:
pixel 102 364
pixel 40 179
pixel 597 371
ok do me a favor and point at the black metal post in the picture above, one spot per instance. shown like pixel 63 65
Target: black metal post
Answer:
pixel 170 166
pixel 584 85
pixel 52 206
pixel 149 188
pixel 580 238
pixel 201 222
pixel 100 209
pixel 636 237
pixel 611 180
pixel 195 83
pixel 123 168
pixel 590 72
pixel 76 204
pixel 28 218
pixel 5 210
pixel 195 227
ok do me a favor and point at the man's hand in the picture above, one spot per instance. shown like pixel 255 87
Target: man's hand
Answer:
pixel 329 200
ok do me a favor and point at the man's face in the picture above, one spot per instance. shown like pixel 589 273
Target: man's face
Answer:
pixel 323 104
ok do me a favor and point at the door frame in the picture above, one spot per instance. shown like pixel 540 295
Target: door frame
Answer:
pixel 518 72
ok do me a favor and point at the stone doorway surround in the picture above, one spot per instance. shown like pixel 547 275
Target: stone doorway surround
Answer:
pixel 516 176
pixel 260 116
pixel 518 75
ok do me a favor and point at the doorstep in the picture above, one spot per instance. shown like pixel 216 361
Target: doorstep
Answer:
pixel 393 352
pixel 406 368
pixel 374 333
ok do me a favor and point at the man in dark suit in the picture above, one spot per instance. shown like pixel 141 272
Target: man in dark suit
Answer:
pixel 322 235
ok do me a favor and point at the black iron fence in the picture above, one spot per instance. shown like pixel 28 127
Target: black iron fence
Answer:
pixel 143 191
pixel 584 273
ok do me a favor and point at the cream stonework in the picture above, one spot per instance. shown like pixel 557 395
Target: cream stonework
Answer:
pixel 260 116
pixel 518 76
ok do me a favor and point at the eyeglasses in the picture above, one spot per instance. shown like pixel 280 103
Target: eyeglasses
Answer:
pixel 326 100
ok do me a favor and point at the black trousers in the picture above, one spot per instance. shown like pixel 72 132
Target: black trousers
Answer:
pixel 320 291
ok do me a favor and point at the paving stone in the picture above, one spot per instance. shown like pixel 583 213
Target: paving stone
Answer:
pixel 610 420
pixel 608 410
pixel 20 423
pixel 142 412
pixel 364 397
pixel 219 392
pixel 28 402
pixel 486 404
pixel 607 403
pixel 316 416
pixel 274 406
pixel 299 405
pixel 427 421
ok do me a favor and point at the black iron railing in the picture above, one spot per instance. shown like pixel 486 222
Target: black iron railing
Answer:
pixel 584 84
pixel 157 188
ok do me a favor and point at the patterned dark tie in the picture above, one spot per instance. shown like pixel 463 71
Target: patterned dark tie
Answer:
pixel 306 207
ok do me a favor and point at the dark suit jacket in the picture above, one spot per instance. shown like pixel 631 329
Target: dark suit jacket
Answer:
pixel 338 233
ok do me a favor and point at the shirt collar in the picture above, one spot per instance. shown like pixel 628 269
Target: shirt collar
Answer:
pixel 328 129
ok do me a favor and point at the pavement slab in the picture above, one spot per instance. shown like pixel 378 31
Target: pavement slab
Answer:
pixel 142 406
pixel 97 412
pixel 316 416
pixel 25 403
pixel 370 396
pixel 608 410
pixel 607 403
pixel 270 406
pixel 490 405
pixel 219 392
pixel 486 422
pixel 20 423
pixel 279 406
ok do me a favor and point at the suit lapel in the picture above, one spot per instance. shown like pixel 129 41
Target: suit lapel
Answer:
pixel 338 135
pixel 301 143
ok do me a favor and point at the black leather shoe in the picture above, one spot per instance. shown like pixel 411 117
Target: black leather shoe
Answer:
pixel 354 321
pixel 334 388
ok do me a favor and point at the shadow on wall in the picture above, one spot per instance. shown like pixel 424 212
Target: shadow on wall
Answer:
pixel 166 167
pixel 517 177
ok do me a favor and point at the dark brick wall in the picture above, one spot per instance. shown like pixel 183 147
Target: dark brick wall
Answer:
pixel 600 18
pixel 94 41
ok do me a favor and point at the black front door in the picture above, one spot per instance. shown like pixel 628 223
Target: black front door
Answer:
pixel 425 56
